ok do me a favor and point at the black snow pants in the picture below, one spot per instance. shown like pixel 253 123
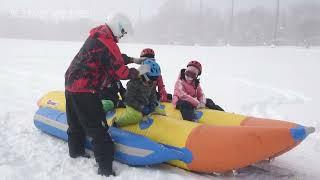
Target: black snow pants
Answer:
pixel 85 115
pixel 169 96
pixel 211 105
pixel 188 110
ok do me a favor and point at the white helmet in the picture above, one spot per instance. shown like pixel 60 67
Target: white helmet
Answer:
pixel 119 24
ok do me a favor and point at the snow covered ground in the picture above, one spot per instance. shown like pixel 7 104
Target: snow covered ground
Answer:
pixel 267 82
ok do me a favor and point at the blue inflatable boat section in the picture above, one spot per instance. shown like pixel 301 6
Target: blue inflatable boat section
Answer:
pixel 131 149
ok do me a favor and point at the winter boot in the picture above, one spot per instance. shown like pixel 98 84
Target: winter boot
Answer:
pixel 105 168
pixel 211 105
pixel 85 155
pixel 76 145
pixel 106 172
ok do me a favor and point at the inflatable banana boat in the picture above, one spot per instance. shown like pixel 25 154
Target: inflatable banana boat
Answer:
pixel 218 142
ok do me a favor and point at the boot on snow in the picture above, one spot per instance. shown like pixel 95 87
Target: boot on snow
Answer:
pixel 106 172
pixel 211 105
pixel 85 155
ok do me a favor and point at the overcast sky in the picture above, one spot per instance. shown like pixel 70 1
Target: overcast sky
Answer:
pixel 99 9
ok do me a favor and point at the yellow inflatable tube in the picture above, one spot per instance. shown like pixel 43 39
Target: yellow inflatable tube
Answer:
pixel 211 148
pixel 55 100
pixel 214 117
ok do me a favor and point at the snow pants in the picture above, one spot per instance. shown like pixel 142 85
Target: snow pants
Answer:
pixel 85 116
pixel 169 96
pixel 188 110
pixel 211 105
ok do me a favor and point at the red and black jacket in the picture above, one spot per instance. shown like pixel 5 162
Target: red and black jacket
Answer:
pixel 98 63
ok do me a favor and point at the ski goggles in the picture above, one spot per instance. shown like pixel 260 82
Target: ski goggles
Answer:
pixel 191 74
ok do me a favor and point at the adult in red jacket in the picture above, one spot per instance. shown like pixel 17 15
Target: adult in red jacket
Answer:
pixel 99 62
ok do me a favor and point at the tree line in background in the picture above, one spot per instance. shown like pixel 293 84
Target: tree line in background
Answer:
pixel 298 25
pixel 36 28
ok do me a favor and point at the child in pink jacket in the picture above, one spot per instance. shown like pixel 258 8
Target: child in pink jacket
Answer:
pixel 188 95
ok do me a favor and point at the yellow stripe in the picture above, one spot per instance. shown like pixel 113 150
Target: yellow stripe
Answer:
pixel 220 118
pixel 165 130
pixel 212 117
pixel 56 100
pixel 170 130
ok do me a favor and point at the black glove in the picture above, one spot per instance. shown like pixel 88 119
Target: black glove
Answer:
pixel 169 97
pixel 120 104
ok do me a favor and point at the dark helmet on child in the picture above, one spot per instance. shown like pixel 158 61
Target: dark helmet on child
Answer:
pixel 195 64
pixel 147 52
pixel 154 70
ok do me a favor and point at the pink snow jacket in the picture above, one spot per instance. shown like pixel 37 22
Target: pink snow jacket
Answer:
pixel 188 92
pixel 161 89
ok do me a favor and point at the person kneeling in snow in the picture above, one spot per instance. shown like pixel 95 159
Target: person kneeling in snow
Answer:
pixel 188 95
pixel 141 98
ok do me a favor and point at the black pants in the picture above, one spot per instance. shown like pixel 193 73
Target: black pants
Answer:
pixel 85 115
pixel 169 96
pixel 211 105
pixel 188 110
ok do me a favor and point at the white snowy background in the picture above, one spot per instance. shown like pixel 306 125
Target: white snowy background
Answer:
pixel 281 82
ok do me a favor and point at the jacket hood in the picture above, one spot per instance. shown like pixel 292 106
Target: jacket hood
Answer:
pixel 103 31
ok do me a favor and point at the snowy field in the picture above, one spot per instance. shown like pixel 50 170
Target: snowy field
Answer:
pixel 280 83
